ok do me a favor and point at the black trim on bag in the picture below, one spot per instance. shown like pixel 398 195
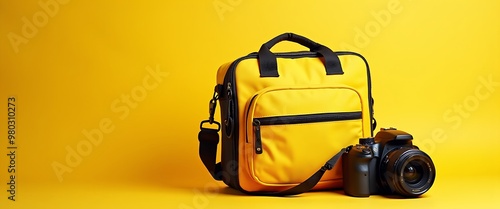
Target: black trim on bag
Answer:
pixel 299 119
pixel 230 153
pixel 309 118
pixel 373 122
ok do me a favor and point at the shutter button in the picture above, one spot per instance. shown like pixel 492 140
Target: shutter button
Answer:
pixel 366 151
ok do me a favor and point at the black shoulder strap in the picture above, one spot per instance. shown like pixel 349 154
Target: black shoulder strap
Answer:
pixel 209 139
pixel 311 181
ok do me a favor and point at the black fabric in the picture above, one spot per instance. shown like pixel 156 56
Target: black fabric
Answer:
pixel 332 61
pixel 268 65
pixel 291 37
pixel 209 138
pixel 374 121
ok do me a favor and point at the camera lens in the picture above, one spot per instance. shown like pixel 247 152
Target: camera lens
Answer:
pixel 408 171
pixel 413 172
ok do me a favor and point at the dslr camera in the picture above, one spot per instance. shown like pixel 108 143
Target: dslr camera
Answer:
pixel 387 164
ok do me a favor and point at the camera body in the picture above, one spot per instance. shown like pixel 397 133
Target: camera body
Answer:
pixel 387 164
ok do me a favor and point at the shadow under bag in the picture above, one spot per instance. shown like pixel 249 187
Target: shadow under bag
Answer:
pixel 284 115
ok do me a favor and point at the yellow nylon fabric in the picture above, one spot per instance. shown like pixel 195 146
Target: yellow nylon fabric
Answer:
pixel 291 153
pixel 299 147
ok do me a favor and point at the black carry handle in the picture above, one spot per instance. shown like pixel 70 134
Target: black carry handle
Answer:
pixel 268 65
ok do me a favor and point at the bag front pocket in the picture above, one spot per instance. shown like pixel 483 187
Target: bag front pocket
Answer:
pixel 292 132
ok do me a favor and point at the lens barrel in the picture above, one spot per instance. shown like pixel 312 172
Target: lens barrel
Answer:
pixel 408 171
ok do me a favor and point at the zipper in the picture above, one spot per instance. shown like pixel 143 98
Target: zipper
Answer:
pixel 299 119
pixel 258 141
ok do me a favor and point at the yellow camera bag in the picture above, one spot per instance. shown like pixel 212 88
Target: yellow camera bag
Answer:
pixel 284 115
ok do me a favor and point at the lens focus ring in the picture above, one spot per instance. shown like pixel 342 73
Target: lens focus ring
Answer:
pixel 408 172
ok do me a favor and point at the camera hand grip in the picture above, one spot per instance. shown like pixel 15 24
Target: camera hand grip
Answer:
pixel 356 171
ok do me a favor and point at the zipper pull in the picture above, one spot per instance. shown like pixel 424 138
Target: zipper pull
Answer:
pixel 258 141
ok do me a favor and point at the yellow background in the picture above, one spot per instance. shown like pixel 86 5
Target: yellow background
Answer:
pixel 429 61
